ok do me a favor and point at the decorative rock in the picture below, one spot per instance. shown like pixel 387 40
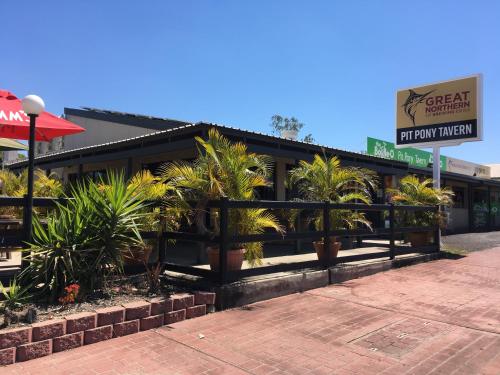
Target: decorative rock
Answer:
pixel 125 328
pixel 182 301
pixel 110 315
pixel 175 316
pixel 34 350
pixel 137 310
pixel 66 342
pixel 7 356
pixel 15 337
pixel 48 329
pixel 204 298
pixel 80 322
pixel 98 334
pixel 152 322
pixel 195 311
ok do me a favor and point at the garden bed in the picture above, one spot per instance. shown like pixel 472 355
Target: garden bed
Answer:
pixel 88 323
pixel 121 290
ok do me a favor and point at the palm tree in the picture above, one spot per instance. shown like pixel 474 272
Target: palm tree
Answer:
pixel 223 169
pixel 416 192
pixel 324 179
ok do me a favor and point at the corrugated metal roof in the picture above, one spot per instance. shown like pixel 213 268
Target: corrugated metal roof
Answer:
pixel 173 129
pixel 128 114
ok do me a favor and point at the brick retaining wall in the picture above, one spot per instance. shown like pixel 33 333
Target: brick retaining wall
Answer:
pixel 72 331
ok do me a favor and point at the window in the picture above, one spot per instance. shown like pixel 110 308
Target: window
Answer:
pixel 459 198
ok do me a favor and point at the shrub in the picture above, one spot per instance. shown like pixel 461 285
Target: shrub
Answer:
pixel 83 240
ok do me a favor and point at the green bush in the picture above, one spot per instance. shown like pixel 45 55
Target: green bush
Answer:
pixel 83 240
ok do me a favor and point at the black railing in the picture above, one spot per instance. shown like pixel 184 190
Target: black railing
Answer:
pixel 223 239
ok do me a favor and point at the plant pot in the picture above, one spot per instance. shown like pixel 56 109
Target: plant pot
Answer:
pixel 418 239
pixel 137 255
pixel 234 258
pixel 319 246
pixel 290 134
pixel 347 243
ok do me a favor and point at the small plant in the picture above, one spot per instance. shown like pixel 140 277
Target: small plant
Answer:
pixel 153 273
pixel 71 294
pixel 15 295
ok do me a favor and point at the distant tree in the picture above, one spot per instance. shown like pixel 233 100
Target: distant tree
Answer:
pixel 280 123
pixel 308 138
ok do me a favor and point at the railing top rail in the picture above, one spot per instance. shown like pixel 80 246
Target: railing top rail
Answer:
pixel 306 205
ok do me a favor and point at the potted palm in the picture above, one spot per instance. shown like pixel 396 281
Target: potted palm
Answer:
pixel 420 192
pixel 223 169
pixel 150 188
pixel 324 179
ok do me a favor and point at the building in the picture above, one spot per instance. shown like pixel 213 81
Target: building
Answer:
pixel 131 142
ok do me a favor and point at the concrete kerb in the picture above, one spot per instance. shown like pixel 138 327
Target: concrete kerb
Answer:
pixel 262 288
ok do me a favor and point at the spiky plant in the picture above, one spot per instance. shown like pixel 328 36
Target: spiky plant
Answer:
pixel 224 169
pixel 15 296
pixel 84 239
pixel 324 179
pixel 413 191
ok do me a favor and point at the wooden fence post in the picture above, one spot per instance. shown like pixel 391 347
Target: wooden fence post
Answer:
pixel 326 232
pixel 161 237
pixel 223 239
pixel 392 246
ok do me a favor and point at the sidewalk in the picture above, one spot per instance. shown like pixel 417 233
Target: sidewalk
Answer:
pixel 440 317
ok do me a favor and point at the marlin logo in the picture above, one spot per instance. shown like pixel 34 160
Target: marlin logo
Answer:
pixel 413 100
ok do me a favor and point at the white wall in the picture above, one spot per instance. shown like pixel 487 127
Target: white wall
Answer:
pixel 495 170
pixel 98 131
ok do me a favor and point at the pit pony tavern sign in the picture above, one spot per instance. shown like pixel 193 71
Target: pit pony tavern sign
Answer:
pixel 441 114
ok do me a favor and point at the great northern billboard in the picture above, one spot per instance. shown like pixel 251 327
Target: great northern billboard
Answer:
pixel 444 113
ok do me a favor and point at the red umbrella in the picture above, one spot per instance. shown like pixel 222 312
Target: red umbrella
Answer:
pixel 36 125
pixel 14 123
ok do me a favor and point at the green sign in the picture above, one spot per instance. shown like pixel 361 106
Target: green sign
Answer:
pixel 412 156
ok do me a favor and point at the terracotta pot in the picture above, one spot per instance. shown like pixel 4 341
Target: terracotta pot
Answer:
pixel 137 255
pixel 234 258
pixel 418 239
pixel 320 249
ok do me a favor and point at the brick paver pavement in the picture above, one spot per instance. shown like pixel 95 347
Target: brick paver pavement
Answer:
pixel 441 317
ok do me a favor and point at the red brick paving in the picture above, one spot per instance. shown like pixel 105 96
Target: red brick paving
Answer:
pixel 441 317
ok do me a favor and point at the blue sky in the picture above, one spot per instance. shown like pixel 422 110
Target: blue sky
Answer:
pixel 335 65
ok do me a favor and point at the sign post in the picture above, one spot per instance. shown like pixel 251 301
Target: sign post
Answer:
pixel 436 170
pixel 440 114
